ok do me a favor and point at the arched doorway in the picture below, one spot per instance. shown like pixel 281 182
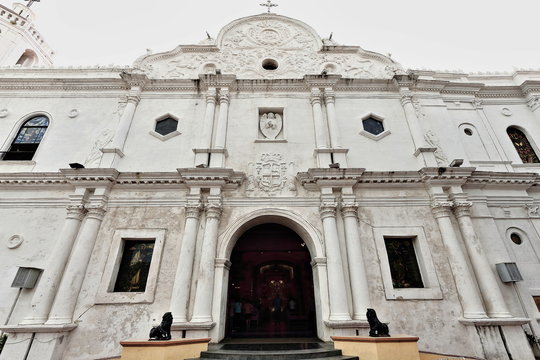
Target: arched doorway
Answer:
pixel 270 290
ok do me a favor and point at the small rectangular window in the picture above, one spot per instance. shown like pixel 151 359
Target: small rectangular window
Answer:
pixel 537 302
pixel 403 263
pixel 134 266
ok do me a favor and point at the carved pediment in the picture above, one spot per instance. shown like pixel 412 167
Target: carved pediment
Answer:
pixel 244 45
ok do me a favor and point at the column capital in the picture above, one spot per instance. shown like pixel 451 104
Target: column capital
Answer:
pixel 214 210
pixel 95 212
pixel 406 97
pixel 328 209
pixel 193 209
pixel 134 97
pixel 224 96
pixel 349 209
pixel 315 96
pixel 329 96
pixel 211 96
pixel 76 212
pixel 462 208
pixel 441 208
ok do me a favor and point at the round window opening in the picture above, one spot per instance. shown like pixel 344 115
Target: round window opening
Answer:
pixel 467 131
pixel 269 64
pixel 516 239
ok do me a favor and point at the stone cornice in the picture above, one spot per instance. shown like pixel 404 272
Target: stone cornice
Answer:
pixel 212 177
pixel 315 178
pixel 446 175
pixel 91 176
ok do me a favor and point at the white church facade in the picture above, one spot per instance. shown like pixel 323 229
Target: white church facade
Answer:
pixel 265 183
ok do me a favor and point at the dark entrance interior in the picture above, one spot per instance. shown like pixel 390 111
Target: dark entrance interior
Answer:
pixel 270 285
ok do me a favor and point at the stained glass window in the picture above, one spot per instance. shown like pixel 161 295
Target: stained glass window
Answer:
pixel 134 266
pixel 26 142
pixel 522 145
pixel 403 263
pixel 166 126
pixel 373 126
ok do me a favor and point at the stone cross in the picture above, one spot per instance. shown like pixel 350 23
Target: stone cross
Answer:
pixel 30 2
pixel 268 4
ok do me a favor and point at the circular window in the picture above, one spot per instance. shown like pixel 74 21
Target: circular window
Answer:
pixel 468 131
pixel 269 64
pixel 516 239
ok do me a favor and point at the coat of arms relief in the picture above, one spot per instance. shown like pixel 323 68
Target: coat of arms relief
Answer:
pixel 271 174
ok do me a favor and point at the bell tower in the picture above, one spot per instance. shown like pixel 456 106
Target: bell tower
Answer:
pixel 20 42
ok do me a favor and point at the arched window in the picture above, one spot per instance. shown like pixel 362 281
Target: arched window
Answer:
pixel 26 142
pixel 522 145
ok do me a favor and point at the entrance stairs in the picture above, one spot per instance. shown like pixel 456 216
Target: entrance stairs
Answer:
pixel 273 351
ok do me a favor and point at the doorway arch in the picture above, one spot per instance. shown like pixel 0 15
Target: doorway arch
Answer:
pixel 310 236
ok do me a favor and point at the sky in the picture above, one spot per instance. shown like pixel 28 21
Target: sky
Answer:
pixel 467 35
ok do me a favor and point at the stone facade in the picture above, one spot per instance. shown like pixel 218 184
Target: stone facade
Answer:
pixel 262 111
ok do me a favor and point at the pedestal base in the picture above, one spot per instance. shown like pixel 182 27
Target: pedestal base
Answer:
pixel 163 350
pixel 379 348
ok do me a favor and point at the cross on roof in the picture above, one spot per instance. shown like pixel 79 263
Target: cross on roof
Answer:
pixel 30 2
pixel 269 4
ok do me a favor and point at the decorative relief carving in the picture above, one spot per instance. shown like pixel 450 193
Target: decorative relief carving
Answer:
pixel 433 141
pixel 417 107
pixel 245 45
pixel 270 125
pixel 271 174
pixel 477 104
pixel 14 242
pixel 534 102
pixel 441 208
pixel 104 138
pixel 4 113
pixel 73 113
pixel 532 210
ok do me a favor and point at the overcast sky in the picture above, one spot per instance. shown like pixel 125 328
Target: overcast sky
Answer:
pixel 472 35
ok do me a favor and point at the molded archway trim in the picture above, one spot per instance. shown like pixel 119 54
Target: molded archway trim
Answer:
pixel 310 235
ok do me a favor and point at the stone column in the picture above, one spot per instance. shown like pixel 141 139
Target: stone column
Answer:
pixel 467 290
pixel 357 270
pixel 202 310
pixel 339 309
pixel 43 297
pixel 426 153
pixel 184 269
pixel 218 159
pixel 323 159
pixel 115 150
pixel 70 286
pixel 489 287
pixel 205 143
pixel 335 142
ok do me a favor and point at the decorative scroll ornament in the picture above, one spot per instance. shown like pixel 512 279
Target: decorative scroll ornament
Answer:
pixel 271 174
pixel 104 138
pixel 270 125
pixel 532 209
pixel 534 102
pixel 4 113
pixel 14 242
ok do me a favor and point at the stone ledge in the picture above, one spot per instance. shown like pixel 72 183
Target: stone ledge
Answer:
pixel 347 324
pixel 382 339
pixel 494 321
pixel 158 343
pixel 38 328
pixel 193 326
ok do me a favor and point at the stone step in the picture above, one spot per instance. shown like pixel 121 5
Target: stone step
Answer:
pixel 274 351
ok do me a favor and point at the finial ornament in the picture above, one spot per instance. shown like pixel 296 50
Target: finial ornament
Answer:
pixel 30 2
pixel 268 4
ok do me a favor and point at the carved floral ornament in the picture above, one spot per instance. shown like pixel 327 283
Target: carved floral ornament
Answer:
pixel 243 45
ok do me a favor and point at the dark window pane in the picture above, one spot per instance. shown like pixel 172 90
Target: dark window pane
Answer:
pixel 166 126
pixel 522 145
pixel 373 126
pixel 38 121
pixel 537 302
pixel 134 266
pixel 403 264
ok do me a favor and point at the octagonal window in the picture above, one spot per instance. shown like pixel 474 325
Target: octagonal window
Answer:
pixel 166 126
pixel 373 126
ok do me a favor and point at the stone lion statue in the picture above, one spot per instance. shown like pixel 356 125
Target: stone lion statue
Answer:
pixel 376 328
pixel 163 330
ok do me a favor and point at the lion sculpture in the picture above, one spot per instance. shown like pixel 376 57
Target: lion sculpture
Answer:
pixel 163 330
pixel 376 328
